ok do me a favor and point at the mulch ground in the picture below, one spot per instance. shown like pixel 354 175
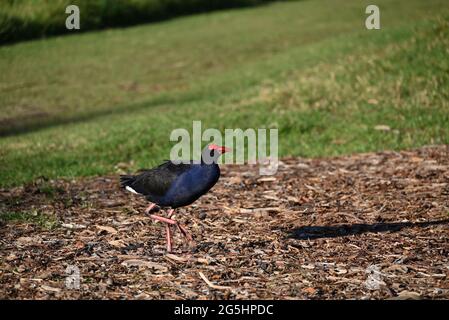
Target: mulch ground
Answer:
pixel 368 226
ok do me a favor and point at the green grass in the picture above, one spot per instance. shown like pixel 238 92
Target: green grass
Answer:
pixel 44 221
pixel 27 19
pixel 79 105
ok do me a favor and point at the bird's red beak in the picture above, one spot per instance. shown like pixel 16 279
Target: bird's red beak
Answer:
pixel 219 148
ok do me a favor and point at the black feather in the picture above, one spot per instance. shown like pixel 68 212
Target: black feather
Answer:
pixel 155 181
pixel 126 180
pixel 176 185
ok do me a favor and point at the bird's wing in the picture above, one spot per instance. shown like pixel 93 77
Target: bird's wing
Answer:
pixel 158 180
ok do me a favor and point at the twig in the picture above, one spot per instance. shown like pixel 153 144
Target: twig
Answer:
pixel 213 286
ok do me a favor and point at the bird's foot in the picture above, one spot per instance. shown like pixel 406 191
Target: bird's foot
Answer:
pixel 168 231
pixel 163 219
pixel 184 232
pixel 179 226
pixel 152 207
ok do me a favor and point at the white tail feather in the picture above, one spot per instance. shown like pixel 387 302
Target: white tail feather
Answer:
pixel 131 190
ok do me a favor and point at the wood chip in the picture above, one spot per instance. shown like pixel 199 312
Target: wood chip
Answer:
pixel 146 264
pixel 107 229
pixel 50 289
pixel 176 258
pixel 213 286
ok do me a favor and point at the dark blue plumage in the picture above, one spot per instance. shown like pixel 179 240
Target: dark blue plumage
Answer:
pixel 177 185
pixel 190 185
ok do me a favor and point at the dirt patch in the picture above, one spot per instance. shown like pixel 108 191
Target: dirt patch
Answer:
pixel 363 226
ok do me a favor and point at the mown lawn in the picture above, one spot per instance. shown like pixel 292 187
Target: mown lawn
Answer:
pixel 79 105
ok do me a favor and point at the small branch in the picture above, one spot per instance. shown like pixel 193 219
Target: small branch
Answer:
pixel 213 286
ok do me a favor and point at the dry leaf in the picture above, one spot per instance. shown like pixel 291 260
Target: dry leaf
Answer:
pixel 146 264
pixel 382 127
pixel 309 290
pixel 107 229
pixel 117 243
pixel 407 295
pixel 176 258
pixel 50 289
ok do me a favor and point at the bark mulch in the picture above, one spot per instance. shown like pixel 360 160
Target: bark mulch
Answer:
pixel 367 226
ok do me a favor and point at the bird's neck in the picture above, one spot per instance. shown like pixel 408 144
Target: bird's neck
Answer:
pixel 209 159
pixel 213 163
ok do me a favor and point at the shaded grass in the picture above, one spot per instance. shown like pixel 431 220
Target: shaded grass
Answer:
pixel 27 19
pixel 326 93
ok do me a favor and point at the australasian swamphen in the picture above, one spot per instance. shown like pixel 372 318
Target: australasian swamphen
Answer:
pixel 173 185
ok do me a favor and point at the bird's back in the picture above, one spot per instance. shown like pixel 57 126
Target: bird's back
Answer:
pixel 173 185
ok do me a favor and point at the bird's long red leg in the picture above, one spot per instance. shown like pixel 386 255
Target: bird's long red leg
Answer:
pixel 169 222
pixel 181 228
pixel 163 219
pixel 149 208
pixel 184 232
pixel 168 231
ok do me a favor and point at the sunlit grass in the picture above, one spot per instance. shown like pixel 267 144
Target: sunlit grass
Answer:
pixel 326 83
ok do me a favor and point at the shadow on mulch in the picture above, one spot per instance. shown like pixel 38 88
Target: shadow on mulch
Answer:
pixel 317 232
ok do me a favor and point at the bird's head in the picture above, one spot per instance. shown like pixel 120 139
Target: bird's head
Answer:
pixel 212 152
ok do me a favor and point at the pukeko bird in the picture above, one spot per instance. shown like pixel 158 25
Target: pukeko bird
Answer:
pixel 172 185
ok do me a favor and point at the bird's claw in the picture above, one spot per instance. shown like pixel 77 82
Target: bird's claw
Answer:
pixel 184 232
pixel 151 208
pixel 170 222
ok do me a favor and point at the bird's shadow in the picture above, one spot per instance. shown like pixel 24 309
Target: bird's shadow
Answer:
pixel 318 232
